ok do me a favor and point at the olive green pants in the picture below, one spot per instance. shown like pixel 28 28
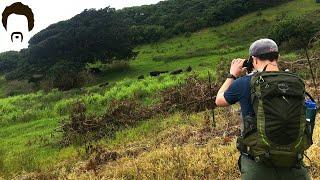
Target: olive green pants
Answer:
pixel 251 170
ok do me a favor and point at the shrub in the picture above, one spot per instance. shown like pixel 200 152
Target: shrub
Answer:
pixel 117 66
pixel 293 33
pixel 81 128
pixel 18 87
pixel 195 95
pixel 95 67
pixel 64 107
pixel 65 76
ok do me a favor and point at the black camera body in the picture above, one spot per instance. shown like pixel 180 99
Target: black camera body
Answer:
pixel 248 64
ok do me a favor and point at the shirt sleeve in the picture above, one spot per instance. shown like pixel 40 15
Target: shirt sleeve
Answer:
pixel 232 95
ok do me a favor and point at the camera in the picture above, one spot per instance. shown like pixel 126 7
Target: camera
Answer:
pixel 248 64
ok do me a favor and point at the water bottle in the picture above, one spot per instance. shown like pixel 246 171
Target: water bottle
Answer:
pixel 311 112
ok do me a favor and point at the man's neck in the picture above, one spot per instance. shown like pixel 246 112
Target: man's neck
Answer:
pixel 270 66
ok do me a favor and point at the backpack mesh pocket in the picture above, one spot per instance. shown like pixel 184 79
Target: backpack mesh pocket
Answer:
pixel 282 119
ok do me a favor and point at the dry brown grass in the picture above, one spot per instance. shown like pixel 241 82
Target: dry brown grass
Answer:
pixel 192 150
pixel 314 152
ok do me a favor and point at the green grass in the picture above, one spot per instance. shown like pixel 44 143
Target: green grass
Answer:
pixel 27 122
pixel 210 45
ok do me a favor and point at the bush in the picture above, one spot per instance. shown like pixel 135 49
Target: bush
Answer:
pixel 95 67
pixel 65 76
pixel 293 33
pixel 18 87
pixel 81 128
pixel 196 95
pixel 117 66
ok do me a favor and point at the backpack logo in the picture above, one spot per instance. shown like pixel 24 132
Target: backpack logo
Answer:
pixel 283 87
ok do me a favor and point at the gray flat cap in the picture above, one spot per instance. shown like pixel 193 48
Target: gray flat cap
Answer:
pixel 263 46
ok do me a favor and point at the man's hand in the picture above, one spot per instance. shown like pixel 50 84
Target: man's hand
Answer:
pixel 237 67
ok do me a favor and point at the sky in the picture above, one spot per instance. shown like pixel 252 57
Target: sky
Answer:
pixel 47 12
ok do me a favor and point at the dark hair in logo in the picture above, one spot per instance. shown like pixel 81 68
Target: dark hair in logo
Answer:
pixel 20 9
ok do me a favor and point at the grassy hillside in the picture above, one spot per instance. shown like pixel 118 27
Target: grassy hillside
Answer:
pixel 175 146
pixel 208 46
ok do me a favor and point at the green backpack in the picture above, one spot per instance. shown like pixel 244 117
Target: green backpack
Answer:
pixel 277 135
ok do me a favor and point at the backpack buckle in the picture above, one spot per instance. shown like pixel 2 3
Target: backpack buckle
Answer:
pixel 260 80
pixel 267 155
pixel 257 159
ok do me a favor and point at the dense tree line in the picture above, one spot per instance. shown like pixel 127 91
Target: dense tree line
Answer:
pixel 168 18
pixel 109 34
pixel 67 46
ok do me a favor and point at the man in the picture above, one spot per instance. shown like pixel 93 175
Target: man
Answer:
pixel 264 54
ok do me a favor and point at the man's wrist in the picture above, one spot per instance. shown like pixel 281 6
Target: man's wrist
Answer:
pixel 231 76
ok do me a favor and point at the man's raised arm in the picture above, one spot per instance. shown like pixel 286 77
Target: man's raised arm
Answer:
pixel 235 71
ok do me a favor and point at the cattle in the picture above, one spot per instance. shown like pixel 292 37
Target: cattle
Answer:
pixel 134 54
pixel 157 73
pixel 189 69
pixel 95 70
pixel 36 78
pixel 104 84
pixel 179 71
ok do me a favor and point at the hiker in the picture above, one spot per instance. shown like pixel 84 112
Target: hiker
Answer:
pixel 273 137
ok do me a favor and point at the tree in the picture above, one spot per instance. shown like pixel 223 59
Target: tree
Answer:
pixel 9 61
pixel 294 32
pixel 146 34
pixel 89 35
pixel 64 75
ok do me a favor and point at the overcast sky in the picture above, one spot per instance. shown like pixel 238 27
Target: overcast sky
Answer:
pixel 47 12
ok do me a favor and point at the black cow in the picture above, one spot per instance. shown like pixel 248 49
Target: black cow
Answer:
pixel 104 84
pixel 134 54
pixel 95 70
pixel 179 71
pixel 189 69
pixel 36 78
pixel 157 73
pixel 141 77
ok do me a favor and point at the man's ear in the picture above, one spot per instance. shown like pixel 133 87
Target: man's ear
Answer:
pixel 255 61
